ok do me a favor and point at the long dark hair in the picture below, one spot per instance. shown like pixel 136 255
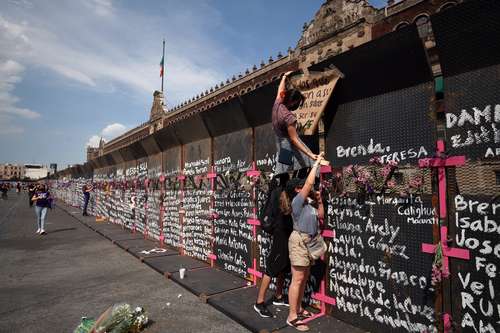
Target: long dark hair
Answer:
pixel 293 99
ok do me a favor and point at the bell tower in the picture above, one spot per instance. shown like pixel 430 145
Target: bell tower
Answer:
pixel 158 110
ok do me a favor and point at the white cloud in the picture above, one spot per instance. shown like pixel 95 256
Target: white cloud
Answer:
pixel 123 51
pixel 113 130
pixel 73 74
pixel 22 3
pixel 93 141
pixel 105 47
pixel 108 133
pixel 10 75
pixel 101 7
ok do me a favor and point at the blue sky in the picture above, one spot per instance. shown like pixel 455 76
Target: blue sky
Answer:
pixel 72 71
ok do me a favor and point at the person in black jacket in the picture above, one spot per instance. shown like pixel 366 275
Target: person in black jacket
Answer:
pixel 278 261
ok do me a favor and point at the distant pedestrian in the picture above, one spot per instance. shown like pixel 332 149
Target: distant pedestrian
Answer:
pixel 4 190
pixel 31 193
pixel 87 189
pixel 18 188
pixel 43 201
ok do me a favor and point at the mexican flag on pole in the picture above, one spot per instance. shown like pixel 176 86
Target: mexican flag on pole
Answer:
pixel 161 67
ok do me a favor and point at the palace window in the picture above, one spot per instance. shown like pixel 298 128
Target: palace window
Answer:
pixel 447 5
pixel 423 26
pixel 401 25
pixel 497 175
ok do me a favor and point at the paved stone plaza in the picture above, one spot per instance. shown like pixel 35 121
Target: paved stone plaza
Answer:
pixel 49 282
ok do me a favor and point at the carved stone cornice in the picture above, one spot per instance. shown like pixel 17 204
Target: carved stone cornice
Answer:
pixel 243 85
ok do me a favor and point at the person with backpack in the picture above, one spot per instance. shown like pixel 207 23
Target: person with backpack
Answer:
pixel 276 220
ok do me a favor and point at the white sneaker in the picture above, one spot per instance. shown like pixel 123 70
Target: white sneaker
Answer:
pixel 38 230
pixel 42 232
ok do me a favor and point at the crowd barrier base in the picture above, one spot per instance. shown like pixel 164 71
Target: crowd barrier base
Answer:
pixel 228 293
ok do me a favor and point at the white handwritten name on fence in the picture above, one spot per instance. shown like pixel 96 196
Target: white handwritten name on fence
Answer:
pixel 227 164
pixel 197 228
pixel 482 127
pixel 478 225
pixel 359 282
pixel 385 152
pixel 196 167
pixel 171 206
pixel 233 235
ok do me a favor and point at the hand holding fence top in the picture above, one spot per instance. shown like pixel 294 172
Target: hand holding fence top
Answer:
pixel 311 178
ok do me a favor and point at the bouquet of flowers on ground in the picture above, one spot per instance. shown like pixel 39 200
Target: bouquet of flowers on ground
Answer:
pixel 118 318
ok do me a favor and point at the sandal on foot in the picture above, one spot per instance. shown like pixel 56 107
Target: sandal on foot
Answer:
pixel 298 324
pixel 304 314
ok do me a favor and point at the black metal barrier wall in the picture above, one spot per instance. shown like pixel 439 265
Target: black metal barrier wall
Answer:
pixel 412 223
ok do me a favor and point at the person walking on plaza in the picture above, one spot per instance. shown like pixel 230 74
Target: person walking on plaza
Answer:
pixel 277 262
pixel 18 188
pixel 87 188
pixel 293 154
pixel 4 190
pixel 31 193
pixel 307 210
pixel 43 201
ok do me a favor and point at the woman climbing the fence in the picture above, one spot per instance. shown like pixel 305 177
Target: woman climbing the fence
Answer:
pixel 293 154
pixel 307 210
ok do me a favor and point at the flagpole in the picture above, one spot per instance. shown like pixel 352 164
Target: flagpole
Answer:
pixel 163 66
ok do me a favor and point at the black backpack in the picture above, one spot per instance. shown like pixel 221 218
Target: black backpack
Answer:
pixel 269 213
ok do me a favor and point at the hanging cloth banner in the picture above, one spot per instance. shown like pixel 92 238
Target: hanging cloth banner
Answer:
pixel 317 87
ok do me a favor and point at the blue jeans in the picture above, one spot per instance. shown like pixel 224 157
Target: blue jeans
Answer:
pixel 300 159
pixel 86 198
pixel 41 212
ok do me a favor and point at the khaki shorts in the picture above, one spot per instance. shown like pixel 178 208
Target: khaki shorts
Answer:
pixel 299 256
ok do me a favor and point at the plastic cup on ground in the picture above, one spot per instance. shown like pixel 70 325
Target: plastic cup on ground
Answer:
pixel 182 273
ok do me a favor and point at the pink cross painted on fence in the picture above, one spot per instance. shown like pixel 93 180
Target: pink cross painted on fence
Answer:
pixel 447 251
pixel 212 258
pixel 212 175
pixel 254 222
pixel 254 272
pixel 146 226
pixel 441 162
pixel 321 296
